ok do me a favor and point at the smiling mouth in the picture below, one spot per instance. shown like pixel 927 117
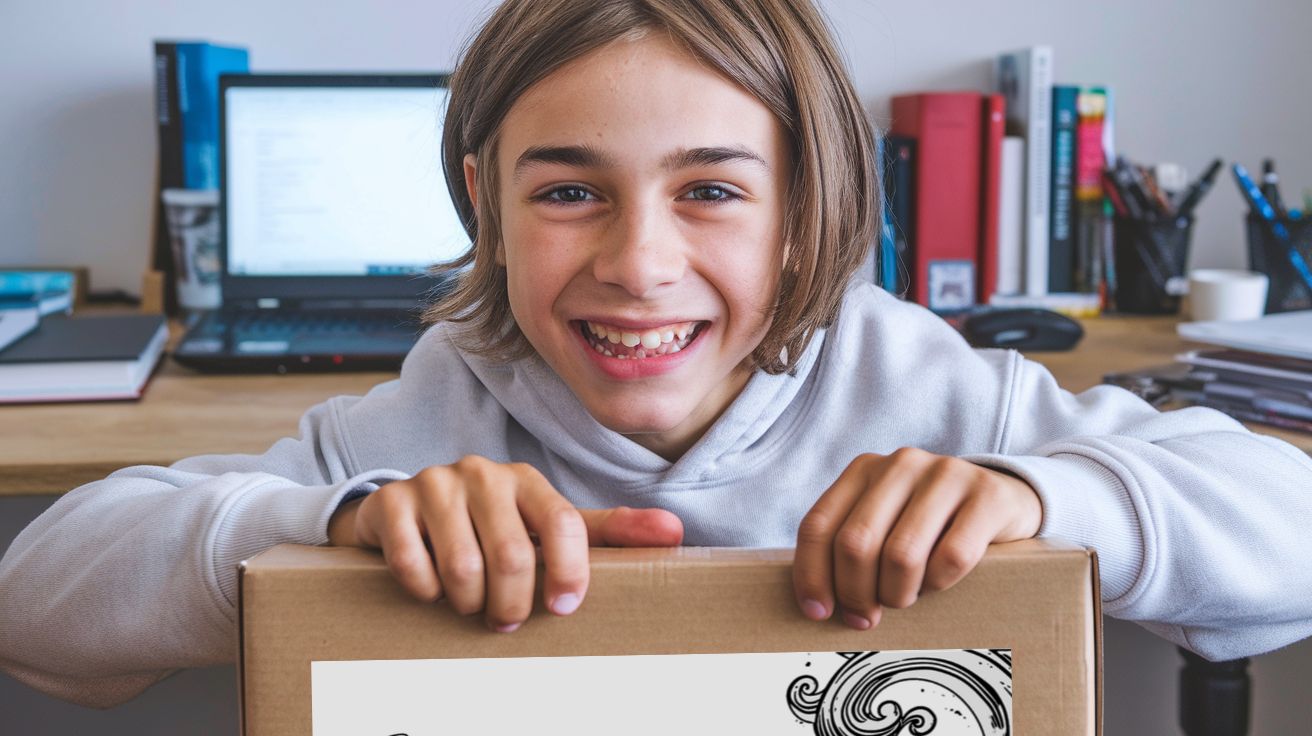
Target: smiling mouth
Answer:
pixel 637 345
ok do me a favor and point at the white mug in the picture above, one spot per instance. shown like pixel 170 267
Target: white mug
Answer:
pixel 1226 294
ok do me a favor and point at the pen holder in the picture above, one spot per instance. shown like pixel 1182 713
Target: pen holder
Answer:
pixel 1150 257
pixel 1270 255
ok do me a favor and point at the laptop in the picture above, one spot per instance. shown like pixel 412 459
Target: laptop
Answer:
pixel 333 205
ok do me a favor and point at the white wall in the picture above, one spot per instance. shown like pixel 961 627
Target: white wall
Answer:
pixel 1193 80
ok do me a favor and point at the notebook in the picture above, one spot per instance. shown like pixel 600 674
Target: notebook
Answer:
pixel 1287 333
pixel 333 203
pixel 83 358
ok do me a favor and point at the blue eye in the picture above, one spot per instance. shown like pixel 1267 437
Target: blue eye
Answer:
pixel 711 193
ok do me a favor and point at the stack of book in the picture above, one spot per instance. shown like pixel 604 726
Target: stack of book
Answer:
pixel 1252 387
pixel 997 197
pixel 46 354
pixel 27 296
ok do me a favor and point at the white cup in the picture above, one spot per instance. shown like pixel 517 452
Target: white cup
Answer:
pixel 1226 294
pixel 193 218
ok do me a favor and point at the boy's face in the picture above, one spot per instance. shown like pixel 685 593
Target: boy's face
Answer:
pixel 642 199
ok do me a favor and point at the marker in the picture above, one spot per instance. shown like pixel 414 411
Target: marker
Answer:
pixel 1263 209
pixel 1194 194
pixel 1114 197
pixel 1271 188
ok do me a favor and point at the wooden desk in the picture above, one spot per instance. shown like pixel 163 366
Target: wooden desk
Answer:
pixel 53 448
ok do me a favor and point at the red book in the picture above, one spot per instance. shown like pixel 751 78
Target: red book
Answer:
pixel 947 128
pixel 995 123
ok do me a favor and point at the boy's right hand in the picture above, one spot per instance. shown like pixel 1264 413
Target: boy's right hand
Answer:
pixel 476 516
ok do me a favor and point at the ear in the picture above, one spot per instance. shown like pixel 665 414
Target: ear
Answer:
pixel 471 186
pixel 471 178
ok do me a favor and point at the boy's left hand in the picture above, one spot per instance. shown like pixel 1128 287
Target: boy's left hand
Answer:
pixel 893 526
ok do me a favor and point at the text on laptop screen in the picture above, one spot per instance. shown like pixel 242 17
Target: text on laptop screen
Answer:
pixel 337 181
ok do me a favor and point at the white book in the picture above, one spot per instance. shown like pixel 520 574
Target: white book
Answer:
pixel 1011 215
pixel 1025 79
pixel 17 318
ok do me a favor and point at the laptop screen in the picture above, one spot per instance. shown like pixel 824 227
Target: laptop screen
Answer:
pixel 331 181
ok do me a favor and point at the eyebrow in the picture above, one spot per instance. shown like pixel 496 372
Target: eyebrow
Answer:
pixel 589 157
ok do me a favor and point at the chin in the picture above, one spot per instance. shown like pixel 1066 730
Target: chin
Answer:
pixel 646 422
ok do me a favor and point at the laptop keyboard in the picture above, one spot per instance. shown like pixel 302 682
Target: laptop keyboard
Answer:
pixel 286 324
pixel 276 325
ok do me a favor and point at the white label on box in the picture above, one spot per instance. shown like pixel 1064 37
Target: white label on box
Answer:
pixel 964 692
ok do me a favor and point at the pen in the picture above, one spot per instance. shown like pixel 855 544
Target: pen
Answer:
pixel 1194 194
pixel 1271 188
pixel 1155 192
pixel 1263 209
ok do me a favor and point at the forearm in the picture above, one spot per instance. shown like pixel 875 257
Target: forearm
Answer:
pixel 1201 537
pixel 126 578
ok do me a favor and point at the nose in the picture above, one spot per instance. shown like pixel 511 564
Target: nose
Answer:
pixel 642 250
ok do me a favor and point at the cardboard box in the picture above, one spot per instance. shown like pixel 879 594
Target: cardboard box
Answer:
pixel 1033 605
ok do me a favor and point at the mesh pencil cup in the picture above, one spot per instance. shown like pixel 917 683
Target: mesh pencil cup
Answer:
pixel 1150 258
pixel 1270 255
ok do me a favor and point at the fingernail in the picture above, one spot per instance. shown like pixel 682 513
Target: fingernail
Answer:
pixel 814 610
pixel 505 628
pixel 565 604
pixel 857 622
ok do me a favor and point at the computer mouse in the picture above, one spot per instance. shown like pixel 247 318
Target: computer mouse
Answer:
pixel 1022 329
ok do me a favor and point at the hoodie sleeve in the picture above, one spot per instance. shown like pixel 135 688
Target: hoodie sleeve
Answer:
pixel 1200 525
pixel 126 579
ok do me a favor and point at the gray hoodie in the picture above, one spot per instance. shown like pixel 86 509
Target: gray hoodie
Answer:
pixel 1200 525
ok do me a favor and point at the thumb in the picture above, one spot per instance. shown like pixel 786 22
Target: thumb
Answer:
pixel 627 527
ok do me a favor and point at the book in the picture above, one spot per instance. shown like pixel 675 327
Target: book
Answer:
pixel 19 315
pixel 1061 232
pixel 1011 217
pixel 900 204
pixel 994 125
pixel 48 291
pixel 199 66
pixel 1257 367
pixel 83 359
pixel 1024 78
pixel 947 128
pixel 1090 160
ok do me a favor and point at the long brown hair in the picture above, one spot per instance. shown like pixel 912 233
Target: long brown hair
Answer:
pixel 780 51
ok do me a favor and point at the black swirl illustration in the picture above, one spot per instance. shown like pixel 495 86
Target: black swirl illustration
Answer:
pixel 949 693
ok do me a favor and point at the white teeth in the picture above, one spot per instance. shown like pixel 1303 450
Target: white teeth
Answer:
pixel 646 344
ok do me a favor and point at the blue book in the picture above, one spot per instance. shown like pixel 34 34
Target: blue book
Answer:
pixel 1061 238
pixel 198 70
